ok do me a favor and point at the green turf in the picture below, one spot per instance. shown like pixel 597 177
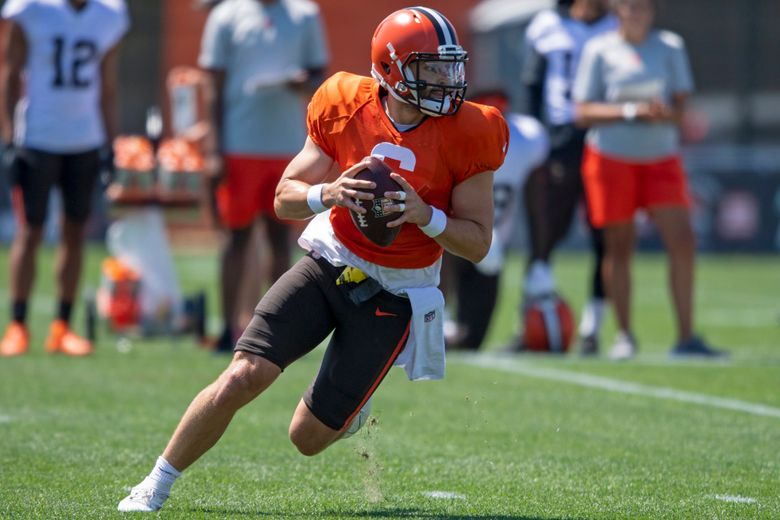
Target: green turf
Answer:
pixel 76 433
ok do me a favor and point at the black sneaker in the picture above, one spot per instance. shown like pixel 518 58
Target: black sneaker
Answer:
pixel 589 345
pixel 696 347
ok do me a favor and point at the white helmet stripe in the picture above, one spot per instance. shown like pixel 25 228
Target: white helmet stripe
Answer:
pixel 443 27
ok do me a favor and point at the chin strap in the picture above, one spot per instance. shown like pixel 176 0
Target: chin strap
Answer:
pixel 381 80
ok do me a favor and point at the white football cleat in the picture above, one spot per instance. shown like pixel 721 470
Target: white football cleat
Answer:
pixel 143 498
pixel 360 419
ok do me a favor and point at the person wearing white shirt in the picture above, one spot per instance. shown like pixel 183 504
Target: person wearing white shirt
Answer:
pixel 554 42
pixel 59 108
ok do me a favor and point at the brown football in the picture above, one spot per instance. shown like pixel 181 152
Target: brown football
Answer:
pixel 373 223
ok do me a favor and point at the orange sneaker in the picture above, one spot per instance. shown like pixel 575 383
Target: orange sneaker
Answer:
pixel 15 340
pixel 62 340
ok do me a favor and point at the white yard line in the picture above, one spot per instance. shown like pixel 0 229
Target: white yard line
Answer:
pixel 445 495
pixel 735 499
pixel 754 317
pixel 507 364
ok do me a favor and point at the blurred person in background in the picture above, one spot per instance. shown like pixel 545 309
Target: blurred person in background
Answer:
pixel 631 90
pixel 259 251
pixel 379 305
pixel 476 286
pixel 265 58
pixel 59 108
pixel 554 42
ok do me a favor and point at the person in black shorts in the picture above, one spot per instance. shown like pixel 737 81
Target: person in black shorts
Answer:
pixel 475 287
pixel 65 54
pixel 554 41
pixel 381 305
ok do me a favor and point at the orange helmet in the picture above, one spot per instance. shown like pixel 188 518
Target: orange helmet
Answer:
pixel 416 57
pixel 548 325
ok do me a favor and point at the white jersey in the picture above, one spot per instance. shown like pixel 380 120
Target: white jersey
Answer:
pixel 528 149
pixel 60 108
pixel 558 41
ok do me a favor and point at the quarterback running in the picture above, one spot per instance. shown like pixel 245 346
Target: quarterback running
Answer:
pixel 381 303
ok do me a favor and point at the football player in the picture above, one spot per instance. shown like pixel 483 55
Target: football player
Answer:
pixel 554 41
pixel 476 285
pixel 381 304
pixel 59 108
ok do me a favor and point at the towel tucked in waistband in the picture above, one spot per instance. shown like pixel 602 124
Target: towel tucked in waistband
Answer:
pixel 423 357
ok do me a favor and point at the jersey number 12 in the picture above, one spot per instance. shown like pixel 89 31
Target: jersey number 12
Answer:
pixel 82 53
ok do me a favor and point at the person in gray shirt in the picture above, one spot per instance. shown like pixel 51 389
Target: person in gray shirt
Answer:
pixel 265 59
pixel 630 89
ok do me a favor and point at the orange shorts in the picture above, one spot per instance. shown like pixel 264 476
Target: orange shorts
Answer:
pixel 248 188
pixel 616 188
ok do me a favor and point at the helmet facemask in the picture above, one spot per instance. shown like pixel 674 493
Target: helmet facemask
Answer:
pixel 434 83
pixel 437 83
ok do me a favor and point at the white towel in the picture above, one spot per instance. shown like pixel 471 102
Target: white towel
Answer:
pixel 423 356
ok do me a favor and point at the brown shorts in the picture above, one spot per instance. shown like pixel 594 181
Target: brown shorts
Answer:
pixel 298 313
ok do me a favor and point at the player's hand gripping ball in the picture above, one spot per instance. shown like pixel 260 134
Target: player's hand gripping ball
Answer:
pixel 379 211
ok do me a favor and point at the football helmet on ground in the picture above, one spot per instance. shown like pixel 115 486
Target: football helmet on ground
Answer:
pixel 548 324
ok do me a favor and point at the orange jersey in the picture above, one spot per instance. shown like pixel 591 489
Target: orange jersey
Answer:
pixel 347 121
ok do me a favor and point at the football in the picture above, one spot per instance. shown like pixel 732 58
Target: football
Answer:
pixel 373 223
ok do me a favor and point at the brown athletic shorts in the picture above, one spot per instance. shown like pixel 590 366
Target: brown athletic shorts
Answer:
pixel 298 313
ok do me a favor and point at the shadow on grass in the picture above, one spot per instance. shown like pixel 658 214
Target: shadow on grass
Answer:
pixel 378 513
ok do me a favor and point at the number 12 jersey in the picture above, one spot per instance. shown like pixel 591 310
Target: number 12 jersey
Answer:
pixel 59 110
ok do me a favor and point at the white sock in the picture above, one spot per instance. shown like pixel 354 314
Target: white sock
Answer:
pixel 539 280
pixel 592 317
pixel 162 477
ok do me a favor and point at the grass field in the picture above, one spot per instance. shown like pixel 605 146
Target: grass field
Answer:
pixel 506 438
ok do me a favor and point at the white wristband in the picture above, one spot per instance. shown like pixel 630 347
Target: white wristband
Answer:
pixel 629 111
pixel 314 199
pixel 437 224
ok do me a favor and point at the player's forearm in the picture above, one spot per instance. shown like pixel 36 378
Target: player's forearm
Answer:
pixel 469 228
pixel 213 142
pixel 109 107
pixel 291 200
pixel 14 57
pixel 589 114
pixel 215 112
pixel 655 111
pixel 109 89
pixel 466 238
pixel 678 106
pixel 310 167
pixel 11 90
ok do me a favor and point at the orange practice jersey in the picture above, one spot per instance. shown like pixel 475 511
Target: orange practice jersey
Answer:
pixel 347 121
